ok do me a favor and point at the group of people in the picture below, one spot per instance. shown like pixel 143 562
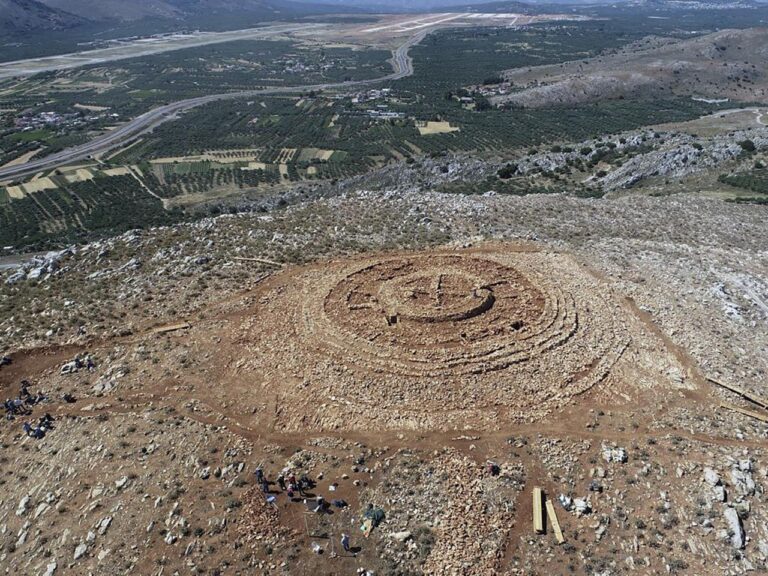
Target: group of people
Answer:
pixel 287 482
pixel 15 407
pixel 21 406
pixel 291 485
pixel 44 425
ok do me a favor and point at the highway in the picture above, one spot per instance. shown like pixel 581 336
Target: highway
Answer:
pixel 401 63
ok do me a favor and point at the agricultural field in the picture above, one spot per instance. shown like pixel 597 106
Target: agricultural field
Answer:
pixel 426 128
pixel 753 183
pixel 192 178
pixel 80 202
pixel 131 86
pixel 362 142
pixel 234 148
pixel 69 211
pixel 93 98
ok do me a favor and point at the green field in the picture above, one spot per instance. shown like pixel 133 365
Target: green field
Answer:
pixel 201 177
pixel 134 85
pixel 79 212
pixel 755 180
pixel 362 142
pixel 31 136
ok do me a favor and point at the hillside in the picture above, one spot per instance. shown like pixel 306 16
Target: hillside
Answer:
pixel 292 299
pixel 19 16
pixel 115 9
pixel 178 9
pixel 86 18
pixel 729 64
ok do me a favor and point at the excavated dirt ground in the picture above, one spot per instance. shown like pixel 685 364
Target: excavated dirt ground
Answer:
pixel 438 340
pixel 391 378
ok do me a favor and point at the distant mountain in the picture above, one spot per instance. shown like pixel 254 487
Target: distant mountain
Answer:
pixel 34 28
pixel 386 6
pixel 178 9
pixel 21 16
pixel 394 6
pixel 96 10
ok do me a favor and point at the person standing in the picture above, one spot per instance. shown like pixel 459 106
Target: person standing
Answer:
pixel 345 542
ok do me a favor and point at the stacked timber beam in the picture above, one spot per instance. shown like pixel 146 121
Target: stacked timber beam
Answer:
pixel 538 510
pixel 554 521
pixel 543 511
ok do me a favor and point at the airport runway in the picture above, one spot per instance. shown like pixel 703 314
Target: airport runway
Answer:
pixel 146 47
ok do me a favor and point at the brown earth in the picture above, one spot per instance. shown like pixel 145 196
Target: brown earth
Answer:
pixel 437 340
pixel 384 355
pixel 150 470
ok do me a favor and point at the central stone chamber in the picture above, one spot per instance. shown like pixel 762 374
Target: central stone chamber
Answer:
pixel 443 296
pixel 438 303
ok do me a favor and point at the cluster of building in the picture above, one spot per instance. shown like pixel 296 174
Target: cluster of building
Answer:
pixel 489 90
pixel 35 121
pixel 379 111
pixel 383 112
pixel 30 121
pixel 298 67
pixel 371 95
pixel 293 64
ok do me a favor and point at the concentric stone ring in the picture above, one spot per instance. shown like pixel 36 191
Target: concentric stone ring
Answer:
pixel 436 339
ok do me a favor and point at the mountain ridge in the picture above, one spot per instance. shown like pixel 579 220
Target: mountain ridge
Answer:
pixel 21 16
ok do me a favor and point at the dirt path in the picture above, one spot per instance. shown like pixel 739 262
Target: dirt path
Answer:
pixel 759 114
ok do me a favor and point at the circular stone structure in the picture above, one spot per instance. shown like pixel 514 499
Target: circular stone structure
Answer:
pixel 436 315
pixel 442 339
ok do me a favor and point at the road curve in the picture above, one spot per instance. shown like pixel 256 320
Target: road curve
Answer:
pixel 402 66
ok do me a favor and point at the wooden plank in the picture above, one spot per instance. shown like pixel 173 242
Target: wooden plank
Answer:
pixel 750 413
pixel 554 521
pixel 538 510
pixel 741 392
pixel 259 260
pixel 171 327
